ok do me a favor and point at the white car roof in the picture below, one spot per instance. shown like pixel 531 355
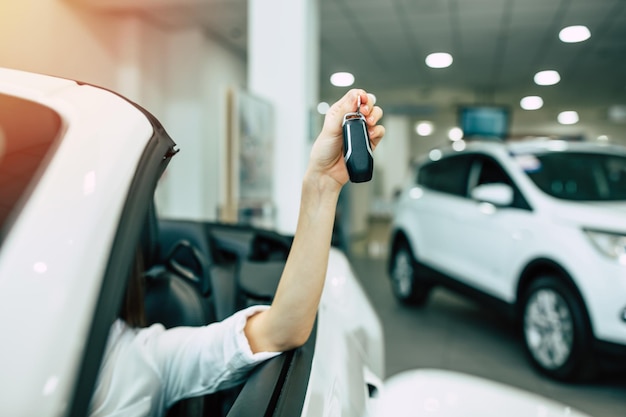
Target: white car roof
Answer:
pixel 547 145
pixel 524 146
pixel 53 257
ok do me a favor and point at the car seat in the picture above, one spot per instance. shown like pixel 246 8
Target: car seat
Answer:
pixel 174 297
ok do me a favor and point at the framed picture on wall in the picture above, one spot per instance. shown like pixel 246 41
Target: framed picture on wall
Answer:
pixel 250 152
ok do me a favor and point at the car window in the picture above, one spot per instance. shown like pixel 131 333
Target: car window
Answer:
pixel 490 172
pixel 27 132
pixel 579 176
pixel 448 175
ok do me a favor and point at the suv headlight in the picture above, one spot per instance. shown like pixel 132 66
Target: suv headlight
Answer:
pixel 610 244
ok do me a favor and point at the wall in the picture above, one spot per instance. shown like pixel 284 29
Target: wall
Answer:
pixel 200 72
pixel 51 37
pixel 180 75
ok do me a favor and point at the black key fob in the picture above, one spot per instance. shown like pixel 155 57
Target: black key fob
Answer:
pixel 356 147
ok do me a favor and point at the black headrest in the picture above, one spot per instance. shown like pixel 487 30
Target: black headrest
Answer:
pixel 173 301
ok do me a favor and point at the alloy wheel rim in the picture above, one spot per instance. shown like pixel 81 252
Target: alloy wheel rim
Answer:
pixel 548 328
pixel 403 273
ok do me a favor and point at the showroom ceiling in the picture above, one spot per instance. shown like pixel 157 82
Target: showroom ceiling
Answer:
pixel 497 46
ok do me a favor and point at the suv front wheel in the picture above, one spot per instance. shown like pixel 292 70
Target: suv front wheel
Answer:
pixel 407 286
pixel 555 330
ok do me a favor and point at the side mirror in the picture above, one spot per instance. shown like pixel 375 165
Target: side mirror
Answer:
pixel 498 194
pixel 443 393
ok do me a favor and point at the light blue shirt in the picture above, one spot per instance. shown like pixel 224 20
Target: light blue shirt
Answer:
pixel 145 371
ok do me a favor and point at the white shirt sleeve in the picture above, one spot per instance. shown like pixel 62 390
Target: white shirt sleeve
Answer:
pixel 200 360
pixel 145 371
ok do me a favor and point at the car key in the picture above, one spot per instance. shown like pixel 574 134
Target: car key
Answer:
pixel 356 146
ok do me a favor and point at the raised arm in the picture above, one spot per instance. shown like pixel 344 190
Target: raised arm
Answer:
pixel 288 323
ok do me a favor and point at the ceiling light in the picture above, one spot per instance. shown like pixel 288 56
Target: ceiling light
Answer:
pixel 439 60
pixel 568 117
pixel 342 79
pixel 455 134
pixel 548 77
pixel 573 34
pixel 458 145
pixel 435 155
pixel 323 107
pixel 424 128
pixel 531 103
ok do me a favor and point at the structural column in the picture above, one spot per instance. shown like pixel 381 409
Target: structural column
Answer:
pixel 393 156
pixel 283 68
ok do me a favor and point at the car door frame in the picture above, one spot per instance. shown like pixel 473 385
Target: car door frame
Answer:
pixel 155 158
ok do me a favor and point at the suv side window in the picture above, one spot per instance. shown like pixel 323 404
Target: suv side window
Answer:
pixel 491 172
pixel 448 175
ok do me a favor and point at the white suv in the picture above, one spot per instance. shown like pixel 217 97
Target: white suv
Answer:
pixel 537 228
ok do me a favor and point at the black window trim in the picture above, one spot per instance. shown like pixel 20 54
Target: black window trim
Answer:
pixel 477 164
pixel 443 159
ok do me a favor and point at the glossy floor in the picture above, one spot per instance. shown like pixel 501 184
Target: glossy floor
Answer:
pixel 453 333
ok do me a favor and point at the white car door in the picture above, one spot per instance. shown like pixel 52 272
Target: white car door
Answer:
pixel 438 211
pixel 490 236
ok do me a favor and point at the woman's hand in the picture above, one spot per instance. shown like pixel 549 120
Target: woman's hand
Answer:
pixel 326 159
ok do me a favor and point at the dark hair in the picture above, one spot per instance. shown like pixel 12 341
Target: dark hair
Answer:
pixel 132 310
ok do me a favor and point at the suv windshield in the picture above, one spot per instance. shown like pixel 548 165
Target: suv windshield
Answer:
pixel 577 176
pixel 27 131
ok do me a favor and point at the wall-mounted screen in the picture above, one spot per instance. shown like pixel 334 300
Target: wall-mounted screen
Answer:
pixel 489 122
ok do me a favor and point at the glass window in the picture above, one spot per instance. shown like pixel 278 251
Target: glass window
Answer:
pixel 491 172
pixel 579 176
pixel 27 131
pixel 448 175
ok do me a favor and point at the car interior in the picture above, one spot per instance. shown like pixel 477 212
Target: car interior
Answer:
pixel 201 272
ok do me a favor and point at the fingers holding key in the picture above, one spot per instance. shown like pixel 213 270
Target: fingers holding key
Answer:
pixel 373 114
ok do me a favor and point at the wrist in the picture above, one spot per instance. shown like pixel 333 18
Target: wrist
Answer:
pixel 315 181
